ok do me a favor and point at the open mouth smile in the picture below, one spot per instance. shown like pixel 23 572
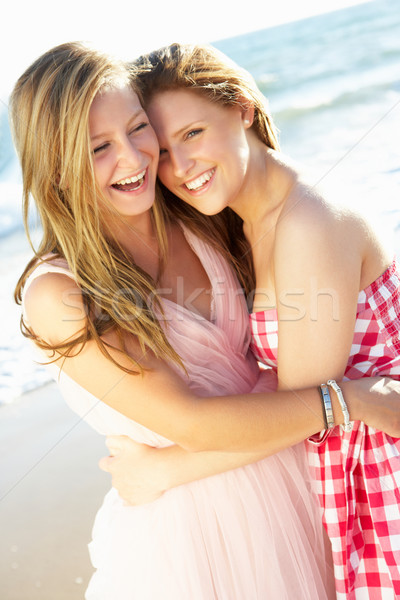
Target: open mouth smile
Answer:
pixel 130 184
pixel 198 183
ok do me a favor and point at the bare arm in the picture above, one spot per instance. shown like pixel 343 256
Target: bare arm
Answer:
pixel 142 473
pixel 160 399
pixel 318 262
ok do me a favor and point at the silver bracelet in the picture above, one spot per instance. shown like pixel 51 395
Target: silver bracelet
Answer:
pixel 347 425
pixel 326 400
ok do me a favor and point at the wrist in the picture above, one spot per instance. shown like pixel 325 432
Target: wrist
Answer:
pixel 168 476
pixel 352 395
pixel 334 406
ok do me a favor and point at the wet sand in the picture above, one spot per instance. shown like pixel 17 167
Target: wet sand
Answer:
pixel 50 490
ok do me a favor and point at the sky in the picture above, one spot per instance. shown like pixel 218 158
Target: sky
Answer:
pixel 129 28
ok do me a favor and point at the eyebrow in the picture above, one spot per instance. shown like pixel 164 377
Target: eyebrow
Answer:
pixel 108 133
pixel 187 126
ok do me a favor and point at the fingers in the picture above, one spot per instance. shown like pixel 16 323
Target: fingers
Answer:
pixel 122 443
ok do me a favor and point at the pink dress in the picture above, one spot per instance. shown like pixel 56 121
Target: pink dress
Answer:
pixel 252 533
pixel 357 474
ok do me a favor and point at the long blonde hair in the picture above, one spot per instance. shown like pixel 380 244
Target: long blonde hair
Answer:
pixel 208 71
pixel 49 113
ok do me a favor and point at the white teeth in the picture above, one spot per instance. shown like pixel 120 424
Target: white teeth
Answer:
pixel 197 183
pixel 133 179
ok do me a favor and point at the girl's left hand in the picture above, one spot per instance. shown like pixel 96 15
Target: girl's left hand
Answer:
pixel 136 470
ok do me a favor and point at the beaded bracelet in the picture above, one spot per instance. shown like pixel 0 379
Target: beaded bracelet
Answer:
pixel 347 425
pixel 327 404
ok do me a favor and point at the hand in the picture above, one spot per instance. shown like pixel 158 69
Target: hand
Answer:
pixel 136 470
pixel 376 401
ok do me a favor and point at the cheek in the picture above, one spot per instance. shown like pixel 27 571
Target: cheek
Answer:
pixel 103 169
pixel 99 174
pixel 165 173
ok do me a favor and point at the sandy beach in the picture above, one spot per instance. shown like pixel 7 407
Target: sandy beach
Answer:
pixel 50 490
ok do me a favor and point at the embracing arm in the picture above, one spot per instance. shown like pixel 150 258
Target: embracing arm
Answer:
pixel 142 473
pixel 160 400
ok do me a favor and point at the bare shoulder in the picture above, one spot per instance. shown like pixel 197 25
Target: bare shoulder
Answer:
pixel 54 307
pixel 310 218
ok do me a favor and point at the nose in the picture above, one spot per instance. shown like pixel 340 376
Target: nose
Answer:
pixel 181 162
pixel 129 154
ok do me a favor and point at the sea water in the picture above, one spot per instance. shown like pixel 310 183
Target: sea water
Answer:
pixel 333 87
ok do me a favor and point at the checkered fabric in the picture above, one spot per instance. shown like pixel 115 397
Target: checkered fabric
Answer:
pixel 264 336
pixel 357 474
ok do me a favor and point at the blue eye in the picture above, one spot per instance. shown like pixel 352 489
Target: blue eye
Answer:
pixel 193 132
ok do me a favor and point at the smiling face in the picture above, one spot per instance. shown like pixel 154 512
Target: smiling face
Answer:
pixel 125 150
pixel 204 151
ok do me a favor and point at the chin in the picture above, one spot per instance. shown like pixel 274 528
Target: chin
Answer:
pixel 210 211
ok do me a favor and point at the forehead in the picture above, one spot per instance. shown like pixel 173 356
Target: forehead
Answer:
pixel 170 109
pixel 113 103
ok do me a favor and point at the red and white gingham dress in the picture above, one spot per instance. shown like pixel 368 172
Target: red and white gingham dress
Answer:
pixel 357 473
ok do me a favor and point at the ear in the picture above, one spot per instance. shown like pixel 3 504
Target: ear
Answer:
pixel 247 112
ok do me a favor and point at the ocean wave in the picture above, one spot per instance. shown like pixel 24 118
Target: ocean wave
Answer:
pixel 324 102
pixel 19 373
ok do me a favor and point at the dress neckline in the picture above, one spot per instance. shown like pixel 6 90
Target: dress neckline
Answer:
pixel 193 240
